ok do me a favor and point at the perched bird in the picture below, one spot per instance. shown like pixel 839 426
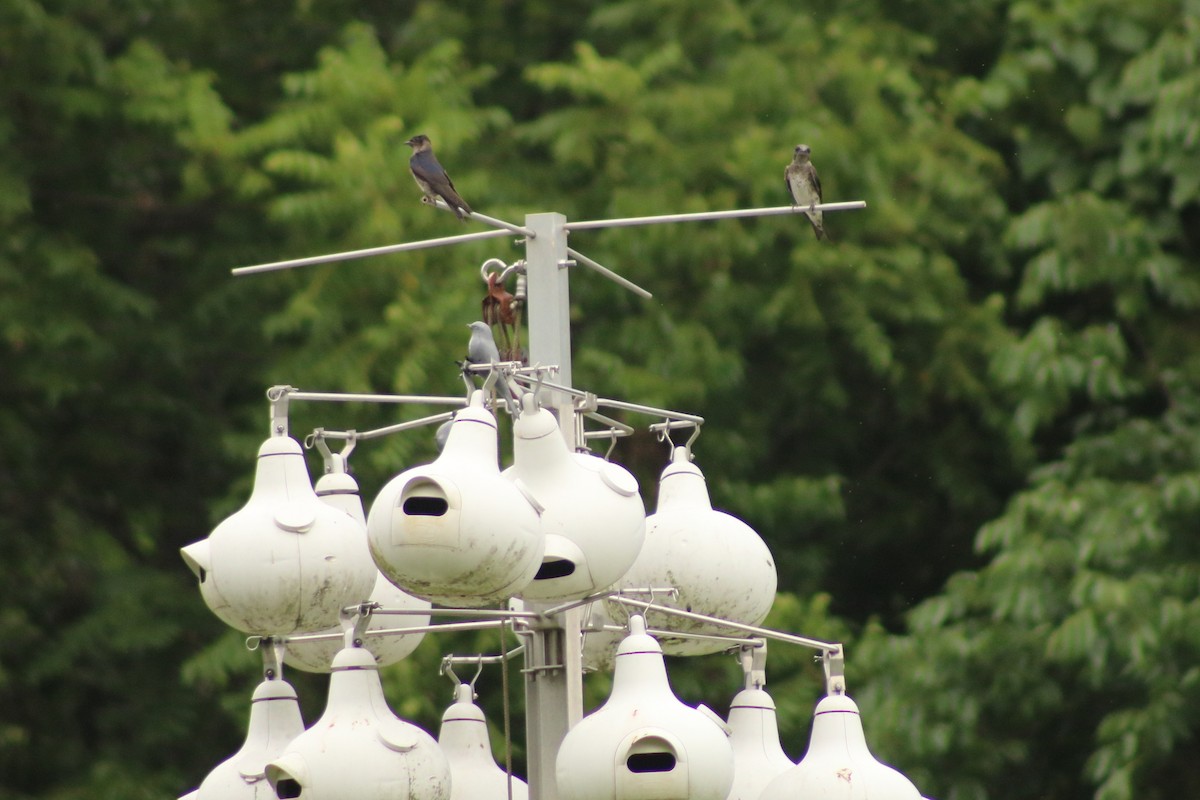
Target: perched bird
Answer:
pixel 481 349
pixel 805 187
pixel 432 179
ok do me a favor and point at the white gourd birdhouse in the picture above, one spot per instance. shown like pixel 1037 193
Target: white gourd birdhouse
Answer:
pixel 643 743
pixel 718 564
pixel 838 764
pixel 285 562
pixel 358 748
pixel 340 490
pixel 474 774
pixel 592 514
pixel 754 734
pixel 274 722
pixel 454 531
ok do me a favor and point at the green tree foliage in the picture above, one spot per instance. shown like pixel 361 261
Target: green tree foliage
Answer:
pixel 1084 618
pixel 999 349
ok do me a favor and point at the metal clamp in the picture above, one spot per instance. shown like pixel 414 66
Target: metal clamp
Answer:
pixel 834 661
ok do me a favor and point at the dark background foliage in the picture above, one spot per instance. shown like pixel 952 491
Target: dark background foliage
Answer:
pixel 968 429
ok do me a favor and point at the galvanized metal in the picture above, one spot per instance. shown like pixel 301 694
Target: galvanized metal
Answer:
pixel 701 216
pixel 350 255
pixel 596 266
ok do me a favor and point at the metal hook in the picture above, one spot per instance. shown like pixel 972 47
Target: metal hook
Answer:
pixel 664 435
pixel 317 439
pixel 448 669
pixel 487 266
pixel 612 443
pixel 278 397
pixel 516 266
pixel 687 448
pixel 334 462
pixel 478 672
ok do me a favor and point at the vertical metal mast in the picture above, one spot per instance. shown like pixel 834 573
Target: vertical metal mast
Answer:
pixel 553 658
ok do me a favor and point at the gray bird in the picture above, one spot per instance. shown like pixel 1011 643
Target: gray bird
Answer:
pixel 805 187
pixel 432 179
pixel 481 349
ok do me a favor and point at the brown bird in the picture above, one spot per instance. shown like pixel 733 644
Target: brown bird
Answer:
pixel 432 179
pixel 805 187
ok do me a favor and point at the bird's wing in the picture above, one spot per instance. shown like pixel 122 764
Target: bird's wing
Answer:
pixel 425 167
pixel 816 181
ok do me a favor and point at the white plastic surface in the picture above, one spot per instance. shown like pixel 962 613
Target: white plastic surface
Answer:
pixel 358 748
pixel 593 517
pixel 718 564
pixel 340 490
pixel 838 764
pixel 474 773
pixel 643 743
pixel 754 734
pixel 274 723
pixel 454 531
pixel 285 562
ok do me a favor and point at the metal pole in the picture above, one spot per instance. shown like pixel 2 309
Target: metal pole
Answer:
pixel 553 656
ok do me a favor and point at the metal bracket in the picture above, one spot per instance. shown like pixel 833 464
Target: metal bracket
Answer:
pixel 353 620
pixel 754 664
pixel 834 661
pixel 278 397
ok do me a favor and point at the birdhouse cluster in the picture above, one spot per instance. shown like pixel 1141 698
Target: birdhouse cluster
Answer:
pixel 558 534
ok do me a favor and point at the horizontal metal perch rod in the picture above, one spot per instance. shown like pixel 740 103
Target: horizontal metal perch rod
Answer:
pixel 690 419
pixel 530 382
pixel 341 397
pixel 446 627
pixel 371 251
pixel 453 660
pixel 660 633
pixel 484 218
pixel 665 591
pixel 766 633
pixel 707 215
pixel 387 430
pixel 484 613
pixel 608 273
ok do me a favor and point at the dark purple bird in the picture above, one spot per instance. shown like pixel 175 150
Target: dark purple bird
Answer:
pixel 432 179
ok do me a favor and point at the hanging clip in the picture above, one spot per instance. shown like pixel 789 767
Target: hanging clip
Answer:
pixel 664 433
pixel 274 649
pixel 754 664
pixel 687 448
pixel 834 661
pixel 353 620
pixel 448 663
pixel 278 397
pixel 334 462
pixel 612 443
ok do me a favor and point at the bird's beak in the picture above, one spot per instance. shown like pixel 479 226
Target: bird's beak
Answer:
pixel 410 143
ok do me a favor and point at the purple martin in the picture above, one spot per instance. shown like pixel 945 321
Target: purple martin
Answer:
pixel 432 179
pixel 805 187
